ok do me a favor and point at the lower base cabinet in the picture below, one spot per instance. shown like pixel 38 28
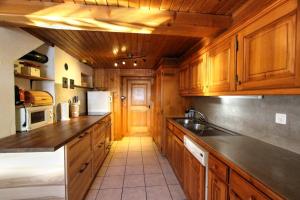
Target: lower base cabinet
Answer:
pixel 194 177
pixel 177 154
pixel 84 157
pixel 217 190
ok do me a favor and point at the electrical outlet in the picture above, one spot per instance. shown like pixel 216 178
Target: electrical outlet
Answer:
pixel 280 118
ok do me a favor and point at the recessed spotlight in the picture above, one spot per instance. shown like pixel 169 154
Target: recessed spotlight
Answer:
pixel 123 62
pixel 135 64
pixel 115 51
pixel 84 61
pixel 123 49
pixel 116 64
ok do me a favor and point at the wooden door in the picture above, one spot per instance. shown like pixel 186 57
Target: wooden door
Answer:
pixel 194 177
pixel 266 56
pixel 139 93
pixel 221 69
pixel 217 189
pixel 178 149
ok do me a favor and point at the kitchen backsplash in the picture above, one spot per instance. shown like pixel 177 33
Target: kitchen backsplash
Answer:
pixel 256 117
pixel 66 94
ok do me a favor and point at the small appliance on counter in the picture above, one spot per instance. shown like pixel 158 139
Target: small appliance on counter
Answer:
pixel 99 102
pixel 19 96
pixel 75 107
pixel 29 118
pixel 33 110
pixel 63 111
pixel 38 98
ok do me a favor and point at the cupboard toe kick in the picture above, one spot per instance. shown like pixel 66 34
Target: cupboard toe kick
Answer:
pixel 84 157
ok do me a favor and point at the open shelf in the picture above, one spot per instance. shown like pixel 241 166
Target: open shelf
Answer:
pixel 85 87
pixel 32 78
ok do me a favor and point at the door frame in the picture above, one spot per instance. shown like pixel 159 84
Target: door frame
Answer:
pixel 124 103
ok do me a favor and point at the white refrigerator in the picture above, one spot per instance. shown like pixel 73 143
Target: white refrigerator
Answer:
pixel 99 102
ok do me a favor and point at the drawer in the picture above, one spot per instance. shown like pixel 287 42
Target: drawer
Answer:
pixel 241 189
pixel 98 134
pixel 218 167
pixel 178 133
pixel 79 151
pixel 81 182
pixel 170 126
pixel 98 155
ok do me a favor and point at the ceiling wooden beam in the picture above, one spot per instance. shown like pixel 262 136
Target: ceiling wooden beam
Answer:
pixel 72 16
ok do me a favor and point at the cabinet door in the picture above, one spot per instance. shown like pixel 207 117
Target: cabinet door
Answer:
pixel 217 189
pixel 266 55
pixel 221 69
pixel 184 80
pixel 169 144
pixel 241 189
pixel 178 149
pixel 194 177
pixel 198 78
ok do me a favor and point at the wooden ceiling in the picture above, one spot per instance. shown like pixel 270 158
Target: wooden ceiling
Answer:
pixel 219 7
pixel 97 47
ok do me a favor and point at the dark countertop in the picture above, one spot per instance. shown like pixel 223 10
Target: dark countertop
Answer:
pixel 277 168
pixel 48 138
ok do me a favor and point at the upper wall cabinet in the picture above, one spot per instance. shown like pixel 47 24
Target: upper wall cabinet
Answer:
pixel 198 70
pixel 184 80
pixel 266 53
pixel 221 70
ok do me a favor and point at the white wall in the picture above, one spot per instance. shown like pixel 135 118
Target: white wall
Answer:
pixel 14 43
pixel 75 67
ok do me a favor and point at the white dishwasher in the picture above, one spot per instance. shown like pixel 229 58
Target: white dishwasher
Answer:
pixel 201 155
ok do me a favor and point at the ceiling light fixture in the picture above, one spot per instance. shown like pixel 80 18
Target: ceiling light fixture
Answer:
pixel 123 49
pixel 115 51
pixel 135 64
pixel 116 64
pixel 123 62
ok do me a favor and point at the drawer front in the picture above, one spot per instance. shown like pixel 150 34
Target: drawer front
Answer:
pixel 79 152
pixel 98 155
pixel 241 189
pixel 170 126
pixel 219 168
pixel 178 133
pixel 81 182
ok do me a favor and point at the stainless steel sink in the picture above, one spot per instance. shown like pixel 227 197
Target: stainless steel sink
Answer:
pixel 184 121
pixel 198 127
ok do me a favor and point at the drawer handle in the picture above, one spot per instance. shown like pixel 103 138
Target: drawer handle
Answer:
pixel 100 145
pixel 214 167
pixel 252 198
pixel 84 167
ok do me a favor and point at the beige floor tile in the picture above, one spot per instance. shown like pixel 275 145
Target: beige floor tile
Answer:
pixel 166 168
pixel 152 169
pixel 171 178
pixel 150 161
pixel 155 180
pixel 91 195
pixel 134 181
pixel 138 193
pixel 117 162
pixel 135 161
pixel 97 183
pixel 177 192
pixel 102 171
pixel 106 161
pixel 134 169
pixel 120 155
pixel 158 193
pixel 112 182
pixel 115 171
pixel 109 194
pixel 134 154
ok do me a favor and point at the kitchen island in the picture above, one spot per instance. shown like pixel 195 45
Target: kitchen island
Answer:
pixel 54 161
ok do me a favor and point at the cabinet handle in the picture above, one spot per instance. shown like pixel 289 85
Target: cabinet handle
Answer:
pixel 82 135
pixel 100 145
pixel 214 167
pixel 83 167
pixel 252 198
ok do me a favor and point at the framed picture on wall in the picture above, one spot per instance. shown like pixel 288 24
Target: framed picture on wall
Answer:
pixel 72 83
pixel 65 82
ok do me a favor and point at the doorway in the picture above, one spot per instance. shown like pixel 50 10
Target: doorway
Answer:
pixel 137 106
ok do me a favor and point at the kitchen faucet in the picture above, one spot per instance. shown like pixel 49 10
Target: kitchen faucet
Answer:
pixel 201 115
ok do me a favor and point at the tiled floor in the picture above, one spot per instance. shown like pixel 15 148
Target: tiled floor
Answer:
pixel 135 170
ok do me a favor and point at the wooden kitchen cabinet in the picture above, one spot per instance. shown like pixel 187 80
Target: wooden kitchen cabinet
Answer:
pixel 178 148
pixel 198 68
pixel 266 52
pixel 169 151
pixel 221 69
pixel 217 189
pixel 217 179
pixel 184 79
pixel 241 189
pixel 194 177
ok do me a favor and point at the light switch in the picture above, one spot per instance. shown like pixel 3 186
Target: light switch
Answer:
pixel 280 118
